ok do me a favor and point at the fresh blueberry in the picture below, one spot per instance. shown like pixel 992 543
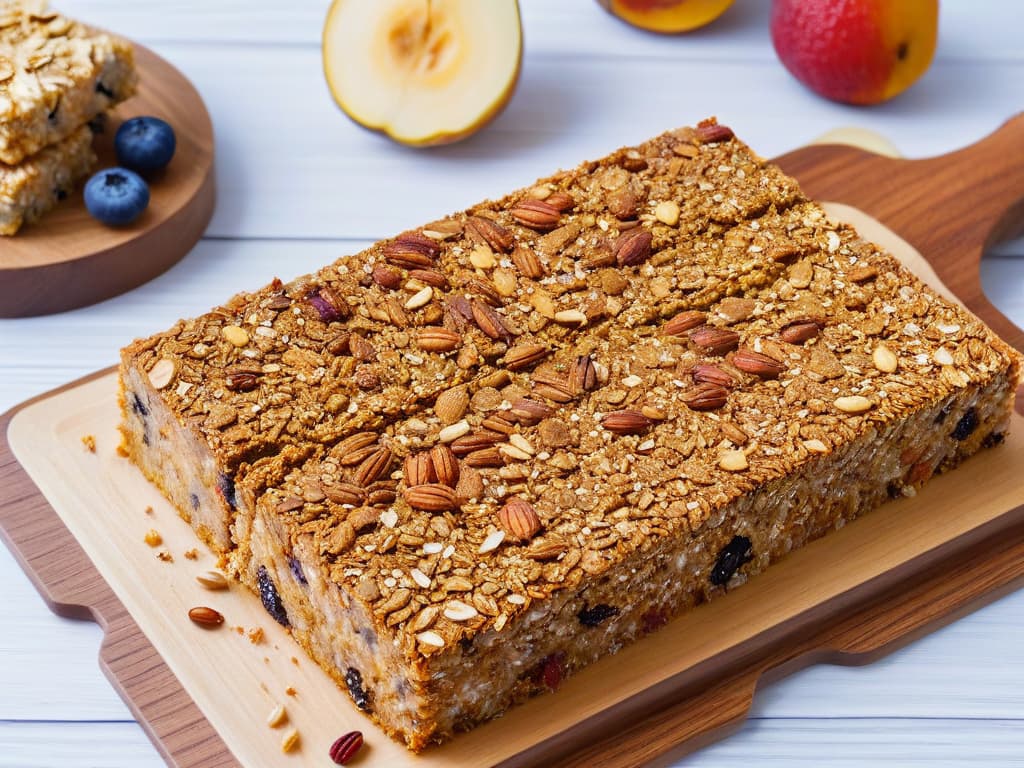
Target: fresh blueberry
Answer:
pixel 144 144
pixel 116 196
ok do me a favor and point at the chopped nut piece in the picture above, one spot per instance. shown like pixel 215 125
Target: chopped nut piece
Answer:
pixel 456 610
pixel 733 461
pixel 491 542
pixel 667 212
pixel 153 538
pixel 278 716
pixel 454 431
pixel 884 359
pixel 89 441
pixel 162 373
pixel 212 580
pixel 853 404
pixel 290 742
pixel 235 335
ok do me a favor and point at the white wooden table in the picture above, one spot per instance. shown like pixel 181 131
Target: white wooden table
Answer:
pixel 299 185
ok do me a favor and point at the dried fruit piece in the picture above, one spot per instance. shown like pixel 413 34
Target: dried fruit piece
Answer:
pixel 519 519
pixel 270 597
pixel 431 497
pixel 758 364
pixel 626 422
pixel 328 305
pixel 206 617
pixel 345 747
pixel 715 341
pixel 733 556
pixel 633 247
pixel 966 425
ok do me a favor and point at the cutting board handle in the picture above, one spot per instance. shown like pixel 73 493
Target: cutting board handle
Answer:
pixel 950 208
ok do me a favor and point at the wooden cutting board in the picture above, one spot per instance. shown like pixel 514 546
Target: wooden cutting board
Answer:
pixel 881 581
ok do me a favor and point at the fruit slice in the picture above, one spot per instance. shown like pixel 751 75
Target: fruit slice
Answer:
pixel 422 71
pixel 666 16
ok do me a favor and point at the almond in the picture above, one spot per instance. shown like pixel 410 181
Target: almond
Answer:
pixel 431 497
pixel 536 214
pixel 705 373
pixel 561 201
pixel 418 469
pixel 386 277
pixel 525 355
pixel 492 233
pixel 799 331
pixel 451 405
pixel 374 467
pixel 474 442
pixel 705 397
pixel 633 248
pixel 527 262
pixel 734 309
pixel 206 617
pixel 715 341
pixel 485 457
pixel 708 133
pixel 519 519
pixel 437 338
pixel 684 322
pixel 489 321
pixel 446 466
pixel 749 361
pixel 625 422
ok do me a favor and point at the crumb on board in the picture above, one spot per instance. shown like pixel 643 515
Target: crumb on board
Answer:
pixel 255 635
pixel 153 538
pixel 149 510
pixel 290 741
pixel 192 554
pixel 291 691
pixel 295 661
pixel 122 452
pixel 278 716
pixel 165 556
pixel 89 441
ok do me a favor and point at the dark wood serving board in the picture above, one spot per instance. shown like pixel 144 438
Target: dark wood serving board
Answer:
pixel 886 595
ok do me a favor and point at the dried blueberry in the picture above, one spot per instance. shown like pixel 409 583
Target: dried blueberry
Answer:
pixel 271 599
pixel 894 489
pixel 359 694
pixel 296 568
pixel 992 439
pixel 592 617
pixel 966 426
pixel 227 489
pixel 194 501
pixel 731 559
pixel 139 407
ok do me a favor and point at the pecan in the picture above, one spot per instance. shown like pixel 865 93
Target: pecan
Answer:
pixel 633 247
pixel 536 214
pixel 412 249
pixel 345 747
pixel 343 493
pixel 419 469
pixel 684 322
pixel 626 422
pixel 489 321
pixel 485 289
pixel 289 504
pixel 551 379
pixel 583 376
pixel 705 373
pixel 705 397
pixel 446 466
pixel 475 441
pixel 525 355
pixel 528 412
pixel 459 311
pixel 430 277
pixel 241 379
pixel 437 338
pixel 373 467
pixel 492 233
pixel 396 314
pixel 715 341
pixel 546 550
pixel 386 277
pixel 206 617
pixel 519 519
pixel 431 497
pixel 339 344
pixel 486 457
pixel 352 444
pixel 561 201
pixel 527 262
pixel 709 132
pixel 749 361
pixel 498 424
pixel 800 330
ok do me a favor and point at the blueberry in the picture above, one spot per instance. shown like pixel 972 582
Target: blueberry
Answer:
pixel 144 144
pixel 270 598
pixel 116 196
pixel 354 682
pixel 732 557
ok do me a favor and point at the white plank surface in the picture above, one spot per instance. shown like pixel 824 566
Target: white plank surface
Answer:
pixel 300 185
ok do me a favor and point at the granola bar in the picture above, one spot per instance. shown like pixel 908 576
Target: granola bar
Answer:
pixel 38 183
pixel 474 458
pixel 55 76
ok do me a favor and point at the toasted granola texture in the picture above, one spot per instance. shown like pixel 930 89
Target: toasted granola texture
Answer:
pixel 55 76
pixel 38 183
pixel 474 458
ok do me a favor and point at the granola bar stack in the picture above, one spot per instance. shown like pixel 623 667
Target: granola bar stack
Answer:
pixel 56 76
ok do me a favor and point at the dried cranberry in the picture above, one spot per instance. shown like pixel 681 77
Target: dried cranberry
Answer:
pixel 354 681
pixel 654 619
pixel 551 670
pixel 592 617
pixel 271 599
pixel 328 312
pixel 966 426
pixel 735 554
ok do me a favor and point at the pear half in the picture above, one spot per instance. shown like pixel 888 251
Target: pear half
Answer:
pixel 422 71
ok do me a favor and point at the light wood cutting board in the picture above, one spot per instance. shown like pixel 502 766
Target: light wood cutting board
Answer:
pixel 76 520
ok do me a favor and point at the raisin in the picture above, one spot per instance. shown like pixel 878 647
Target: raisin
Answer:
pixel 592 617
pixel 271 599
pixel 139 407
pixel 194 501
pixel 735 554
pixel 227 489
pixel 468 649
pixel 654 619
pixel 550 671
pixel 52 116
pixel 60 193
pixel 296 568
pixel 359 694
pixel 993 439
pixel 966 426
pixel 894 489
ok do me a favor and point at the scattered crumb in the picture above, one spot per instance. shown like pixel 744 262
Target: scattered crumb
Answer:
pixel 265 688
pixel 278 716
pixel 89 441
pixel 192 554
pixel 295 661
pixel 239 630
pixel 153 538
pixel 122 452
pixel 291 691
pixel 149 510
pixel 290 741
pixel 256 635
pixel 166 556
pixel 266 659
